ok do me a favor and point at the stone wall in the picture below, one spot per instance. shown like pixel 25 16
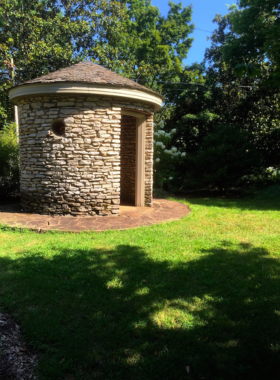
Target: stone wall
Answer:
pixel 77 173
pixel 128 159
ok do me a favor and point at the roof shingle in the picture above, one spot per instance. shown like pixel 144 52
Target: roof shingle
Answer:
pixel 89 72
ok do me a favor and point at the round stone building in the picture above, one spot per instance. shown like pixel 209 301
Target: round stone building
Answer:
pixel 86 141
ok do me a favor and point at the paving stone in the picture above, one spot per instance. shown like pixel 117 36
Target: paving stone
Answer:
pixel 129 217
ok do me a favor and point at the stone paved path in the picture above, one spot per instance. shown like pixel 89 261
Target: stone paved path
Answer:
pixel 130 217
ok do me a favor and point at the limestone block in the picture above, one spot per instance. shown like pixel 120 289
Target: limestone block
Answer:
pixel 89 104
pixel 109 121
pixel 89 117
pixel 84 162
pixel 57 146
pixel 42 134
pixel 49 105
pixel 68 111
pixel 104 104
pixel 88 112
pixel 51 112
pixel 74 130
pixel 116 201
pixel 69 120
pixel 36 105
pixel 98 163
pixel 66 104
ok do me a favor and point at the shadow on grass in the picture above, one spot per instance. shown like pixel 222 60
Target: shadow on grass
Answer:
pixel 235 203
pixel 117 314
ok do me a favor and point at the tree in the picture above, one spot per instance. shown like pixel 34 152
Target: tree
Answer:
pixel 254 45
pixel 45 35
pixel 148 47
pixel 220 97
pixel 131 38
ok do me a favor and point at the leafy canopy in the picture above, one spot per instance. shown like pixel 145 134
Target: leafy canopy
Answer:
pixel 149 47
pixel 220 97
pixel 131 38
pixel 254 42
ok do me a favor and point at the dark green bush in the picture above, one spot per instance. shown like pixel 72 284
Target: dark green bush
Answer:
pixel 225 156
pixel 271 192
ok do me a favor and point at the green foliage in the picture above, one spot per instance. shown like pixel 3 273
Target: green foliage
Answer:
pixel 8 151
pixel 222 97
pixel 256 184
pixel 252 44
pixel 9 162
pixel 166 157
pixel 148 47
pixel 41 36
pixel 131 38
pixel 224 157
pixel 271 192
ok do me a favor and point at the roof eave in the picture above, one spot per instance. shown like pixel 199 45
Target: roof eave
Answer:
pixel 63 87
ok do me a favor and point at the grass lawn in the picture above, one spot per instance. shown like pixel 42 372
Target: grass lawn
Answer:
pixel 201 293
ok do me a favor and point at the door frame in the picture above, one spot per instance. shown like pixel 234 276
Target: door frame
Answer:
pixel 140 156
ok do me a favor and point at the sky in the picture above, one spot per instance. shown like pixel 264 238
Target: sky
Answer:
pixel 204 12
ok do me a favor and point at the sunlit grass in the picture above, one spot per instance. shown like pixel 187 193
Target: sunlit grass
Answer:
pixel 202 292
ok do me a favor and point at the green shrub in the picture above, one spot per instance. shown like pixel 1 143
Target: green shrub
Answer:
pixel 271 192
pixel 166 159
pixel 225 156
pixel 9 162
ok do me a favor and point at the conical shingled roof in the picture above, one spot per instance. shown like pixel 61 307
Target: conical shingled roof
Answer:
pixel 89 72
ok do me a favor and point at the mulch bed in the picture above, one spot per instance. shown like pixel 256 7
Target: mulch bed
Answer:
pixel 17 361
